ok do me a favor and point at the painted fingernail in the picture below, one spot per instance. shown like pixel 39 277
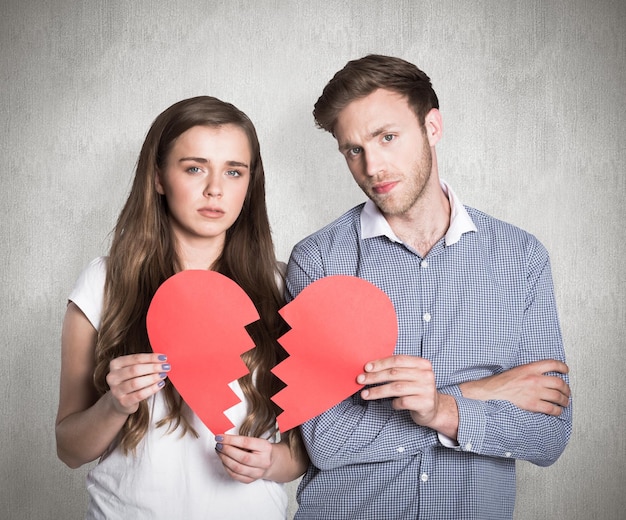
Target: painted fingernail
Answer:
pixel 218 447
pixel 219 438
pixel 166 366
pixel 161 384
pixel 162 375
pixel 162 357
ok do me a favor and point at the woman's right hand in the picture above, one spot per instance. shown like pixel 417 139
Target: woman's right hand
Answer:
pixel 87 423
pixel 135 377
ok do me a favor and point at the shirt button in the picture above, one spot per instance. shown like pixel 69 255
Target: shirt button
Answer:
pixel 468 446
pixel 424 264
pixel 508 454
pixel 426 317
pixel 424 477
pixel 400 449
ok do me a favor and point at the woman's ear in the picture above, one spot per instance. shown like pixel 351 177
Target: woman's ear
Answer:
pixel 433 125
pixel 157 183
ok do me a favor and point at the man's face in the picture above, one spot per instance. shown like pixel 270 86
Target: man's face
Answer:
pixel 386 149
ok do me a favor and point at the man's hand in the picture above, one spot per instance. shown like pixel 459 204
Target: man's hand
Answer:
pixel 526 386
pixel 410 382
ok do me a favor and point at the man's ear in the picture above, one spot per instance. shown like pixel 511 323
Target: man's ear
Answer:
pixel 157 183
pixel 433 125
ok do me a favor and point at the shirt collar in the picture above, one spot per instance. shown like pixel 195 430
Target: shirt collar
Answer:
pixel 374 224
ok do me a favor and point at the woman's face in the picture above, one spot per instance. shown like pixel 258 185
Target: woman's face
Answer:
pixel 205 180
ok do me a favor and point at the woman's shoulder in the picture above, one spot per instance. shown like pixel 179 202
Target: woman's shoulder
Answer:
pixel 280 273
pixel 97 267
pixel 93 275
pixel 88 291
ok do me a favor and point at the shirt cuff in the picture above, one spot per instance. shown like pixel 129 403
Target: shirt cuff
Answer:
pixel 447 441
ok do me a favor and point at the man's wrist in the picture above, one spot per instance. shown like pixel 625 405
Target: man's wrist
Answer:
pixel 446 420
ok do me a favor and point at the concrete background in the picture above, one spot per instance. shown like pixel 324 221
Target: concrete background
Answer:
pixel 534 104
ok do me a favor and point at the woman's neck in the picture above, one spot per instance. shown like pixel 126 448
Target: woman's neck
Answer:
pixel 199 254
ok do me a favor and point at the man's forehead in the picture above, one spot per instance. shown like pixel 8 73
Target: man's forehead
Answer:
pixel 370 116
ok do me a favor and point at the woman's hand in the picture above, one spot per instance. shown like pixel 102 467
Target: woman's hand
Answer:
pixel 247 459
pixel 135 377
pixel 87 423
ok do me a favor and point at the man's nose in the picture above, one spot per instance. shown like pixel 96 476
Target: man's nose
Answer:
pixel 374 163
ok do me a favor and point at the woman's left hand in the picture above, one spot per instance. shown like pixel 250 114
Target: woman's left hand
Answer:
pixel 245 459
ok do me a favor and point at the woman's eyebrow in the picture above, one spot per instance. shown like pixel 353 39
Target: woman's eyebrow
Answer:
pixel 204 161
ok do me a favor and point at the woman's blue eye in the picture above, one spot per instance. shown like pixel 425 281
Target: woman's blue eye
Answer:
pixel 194 169
pixel 233 173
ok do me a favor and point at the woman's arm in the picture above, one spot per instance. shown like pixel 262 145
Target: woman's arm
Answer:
pixel 247 459
pixel 87 424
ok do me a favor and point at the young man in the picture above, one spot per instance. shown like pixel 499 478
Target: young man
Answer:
pixel 437 430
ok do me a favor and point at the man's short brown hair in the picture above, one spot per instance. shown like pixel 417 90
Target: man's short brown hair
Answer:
pixel 361 77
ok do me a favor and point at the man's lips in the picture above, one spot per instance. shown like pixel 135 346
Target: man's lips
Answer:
pixel 384 187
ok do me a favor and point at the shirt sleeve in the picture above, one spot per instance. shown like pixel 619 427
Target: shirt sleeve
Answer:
pixel 498 428
pixel 354 431
pixel 88 292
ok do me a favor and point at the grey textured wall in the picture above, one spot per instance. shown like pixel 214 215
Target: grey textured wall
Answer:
pixel 534 105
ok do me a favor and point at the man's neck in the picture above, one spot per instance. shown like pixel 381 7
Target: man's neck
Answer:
pixel 426 222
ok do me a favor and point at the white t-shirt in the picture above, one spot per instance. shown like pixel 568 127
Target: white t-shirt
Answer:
pixel 170 476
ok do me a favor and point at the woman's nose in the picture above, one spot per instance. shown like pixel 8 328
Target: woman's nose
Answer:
pixel 213 187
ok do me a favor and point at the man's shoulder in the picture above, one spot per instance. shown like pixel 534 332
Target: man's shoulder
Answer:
pixel 503 235
pixel 491 224
pixel 340 230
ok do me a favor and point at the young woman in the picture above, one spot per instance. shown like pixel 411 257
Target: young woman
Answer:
pixel 197 202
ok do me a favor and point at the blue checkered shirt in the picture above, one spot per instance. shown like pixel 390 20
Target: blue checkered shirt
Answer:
pixel 480 302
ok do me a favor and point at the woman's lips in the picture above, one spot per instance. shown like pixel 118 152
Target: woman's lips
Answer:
pixel 211 212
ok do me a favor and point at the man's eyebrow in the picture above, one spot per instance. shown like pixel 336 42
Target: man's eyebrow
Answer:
pixel 202 160
pixel 378 131
pixel 346 146
pixel 374 133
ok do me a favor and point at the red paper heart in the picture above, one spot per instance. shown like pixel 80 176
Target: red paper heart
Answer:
pixel 197 319
pixel 338 323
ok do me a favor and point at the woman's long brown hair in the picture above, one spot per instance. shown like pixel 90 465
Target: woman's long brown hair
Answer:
pixel 143 255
